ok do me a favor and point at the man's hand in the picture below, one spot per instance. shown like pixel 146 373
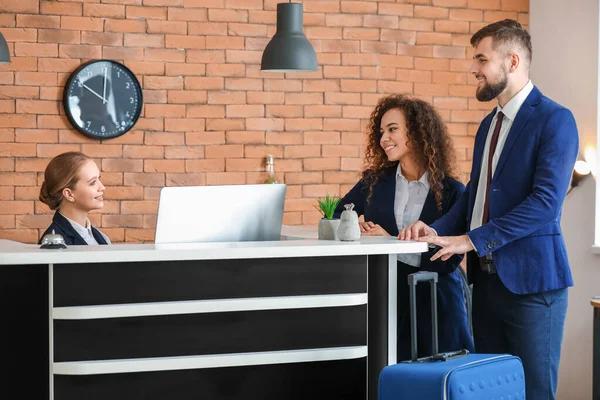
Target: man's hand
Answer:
pixel 371 229
pixel 415 230
pixel 450 245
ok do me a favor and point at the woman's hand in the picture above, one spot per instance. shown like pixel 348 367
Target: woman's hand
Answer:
pixel 371 229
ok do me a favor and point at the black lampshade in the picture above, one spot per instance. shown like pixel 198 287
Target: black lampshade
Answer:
pixel 4 54
pixel 289 50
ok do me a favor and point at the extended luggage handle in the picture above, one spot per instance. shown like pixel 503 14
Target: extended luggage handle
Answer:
pixel 413 280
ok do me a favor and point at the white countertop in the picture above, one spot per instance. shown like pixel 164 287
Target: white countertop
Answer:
pixel 296 242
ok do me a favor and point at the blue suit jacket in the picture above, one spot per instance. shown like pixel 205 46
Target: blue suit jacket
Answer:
pixel 454 331
pixel 526 196
pixel 63 227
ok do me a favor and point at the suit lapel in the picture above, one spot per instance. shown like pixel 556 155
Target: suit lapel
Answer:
pixel 68 229
pixel 388 196
pixel 429 213
pixel 516 129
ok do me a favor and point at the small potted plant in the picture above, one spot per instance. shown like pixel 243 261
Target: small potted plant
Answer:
pixel 328 225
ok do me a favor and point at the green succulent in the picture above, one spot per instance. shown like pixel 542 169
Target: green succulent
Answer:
pixel 328 205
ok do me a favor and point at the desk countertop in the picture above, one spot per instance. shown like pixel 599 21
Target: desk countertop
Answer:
pixel 296 242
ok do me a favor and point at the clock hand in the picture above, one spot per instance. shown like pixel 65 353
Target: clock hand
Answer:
pixel 92 90
pixel 104 93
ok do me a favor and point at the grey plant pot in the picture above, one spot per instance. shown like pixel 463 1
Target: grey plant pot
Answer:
pixel 328 228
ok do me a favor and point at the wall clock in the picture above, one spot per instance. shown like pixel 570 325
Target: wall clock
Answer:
pixel 103 99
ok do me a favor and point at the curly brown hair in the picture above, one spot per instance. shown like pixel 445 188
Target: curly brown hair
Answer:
pixel 427 134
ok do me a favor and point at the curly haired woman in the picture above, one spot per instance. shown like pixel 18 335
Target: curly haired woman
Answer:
pixel 408 177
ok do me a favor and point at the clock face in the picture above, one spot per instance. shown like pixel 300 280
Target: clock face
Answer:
pixel 103 99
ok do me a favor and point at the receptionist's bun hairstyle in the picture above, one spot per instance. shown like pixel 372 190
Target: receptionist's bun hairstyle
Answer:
pixel 62 172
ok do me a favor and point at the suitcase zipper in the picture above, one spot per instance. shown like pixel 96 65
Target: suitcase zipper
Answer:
pixel 465 365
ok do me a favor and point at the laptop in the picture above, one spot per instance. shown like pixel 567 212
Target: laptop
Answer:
pixel 231 213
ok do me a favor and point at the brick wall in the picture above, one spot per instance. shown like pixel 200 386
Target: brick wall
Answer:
pixel 210 115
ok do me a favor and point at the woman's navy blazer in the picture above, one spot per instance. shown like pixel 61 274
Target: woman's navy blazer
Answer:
pixel 454 332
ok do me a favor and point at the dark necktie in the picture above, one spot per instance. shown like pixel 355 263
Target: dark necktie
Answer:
pixel 493 143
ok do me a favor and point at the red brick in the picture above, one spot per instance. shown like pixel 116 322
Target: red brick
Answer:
pixel 356 112
pixel 89 24
pixel 285 138
pixel 202 83
pixel 450 3
pixel 163 82
pixel 143 152
pixel 164 138
pixel 210 165
pixel 265 97
pixel 80 51
pixel 343 20
pixel 150 13
pixel 16 207
pixel 20 34
pixel 122 53
pixel 103 10
pixel 326 111
pixel 142 179
pixel 225 178
pixel 302 151
pixel 227 15
pixel 17 121
pixel 185 69
pixel 281 111
pixel 165 110
pixel 484 4
pixel 7 106
pixel 187 96
pixel 185 124
pixel 187 14
pixel 493 16
pixel 216 124
pixel 245 137
pixel 186 179
pixel 60 8
pixel 139 207
pixel 342 98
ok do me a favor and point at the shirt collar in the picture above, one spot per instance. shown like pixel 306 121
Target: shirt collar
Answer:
pixel 82 230
pixel 424 180
pixel 513 106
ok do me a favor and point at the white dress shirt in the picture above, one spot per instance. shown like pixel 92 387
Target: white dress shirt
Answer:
pixel 86 232
pixel 510 111
pixel 408 204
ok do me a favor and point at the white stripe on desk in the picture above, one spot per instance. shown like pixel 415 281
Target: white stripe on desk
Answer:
pixel 207 361
pixel 208 306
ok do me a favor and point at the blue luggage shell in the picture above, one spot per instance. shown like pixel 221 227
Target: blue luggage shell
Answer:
pixel 473 377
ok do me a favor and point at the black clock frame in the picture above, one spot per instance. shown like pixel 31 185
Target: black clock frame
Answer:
pixel 74 75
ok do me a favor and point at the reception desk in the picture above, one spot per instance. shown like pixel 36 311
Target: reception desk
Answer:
pixel 298 318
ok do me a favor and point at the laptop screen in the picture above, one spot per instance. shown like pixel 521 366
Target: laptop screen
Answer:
pixel 232 213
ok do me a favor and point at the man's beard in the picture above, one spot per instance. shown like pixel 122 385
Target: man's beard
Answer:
pixel 490 91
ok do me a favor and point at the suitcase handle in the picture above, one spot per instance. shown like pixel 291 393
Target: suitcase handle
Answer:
pixel 413 280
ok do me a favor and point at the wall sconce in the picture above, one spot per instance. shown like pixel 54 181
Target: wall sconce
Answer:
pixel 4 53
pixel 289 50
pixel 581 170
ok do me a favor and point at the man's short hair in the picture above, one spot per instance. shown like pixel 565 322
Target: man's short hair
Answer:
pixel 505 34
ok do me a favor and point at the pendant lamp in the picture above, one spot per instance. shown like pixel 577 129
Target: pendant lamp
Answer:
pixel 289 50
pixel 4 54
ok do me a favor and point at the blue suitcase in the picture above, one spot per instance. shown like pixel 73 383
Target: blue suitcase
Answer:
pixel 449 376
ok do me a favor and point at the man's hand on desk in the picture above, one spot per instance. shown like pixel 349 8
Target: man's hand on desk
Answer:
pixel 415 230
pixel 450 245
pixel 371 229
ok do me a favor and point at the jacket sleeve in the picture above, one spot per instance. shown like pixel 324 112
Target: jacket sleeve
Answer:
pixel 454 222
pixel 557 152
pixel 356 195
pixel 453 262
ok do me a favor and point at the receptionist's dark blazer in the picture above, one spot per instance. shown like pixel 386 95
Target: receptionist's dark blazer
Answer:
pixel 63 227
